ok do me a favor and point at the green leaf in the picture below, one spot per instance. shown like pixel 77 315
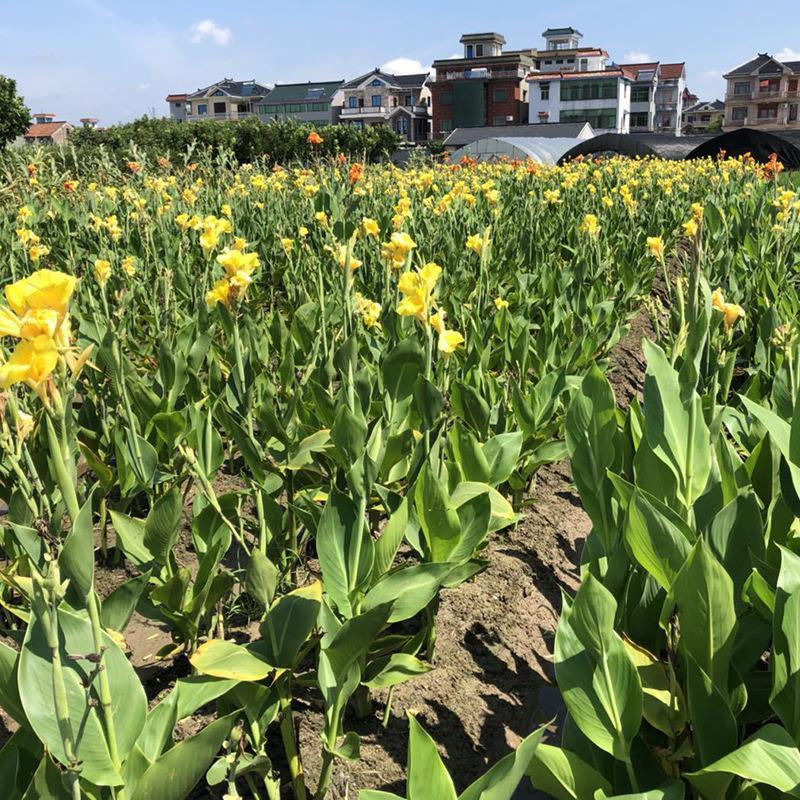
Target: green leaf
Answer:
pixel 785 695
pixel 502 512
pixel 563 775
pixel 302 456
pixel 220 658
pixel 35 680
pixel 502 780
pixel 437 515
pixel 501 453
pixel 118 607
pixel 175 773
pixel 401 367
pixel 288 624
pixel 77 555
pixel 656 538
pixel 409 589
pixel 261 578
pixel 394 669
pixel 703 593
pixel 345 549
pixel 596 676
pixel 162 526
pixel 354 638
pixel 427 775
pixel 770 757
pixel 130 537
pixel 389 541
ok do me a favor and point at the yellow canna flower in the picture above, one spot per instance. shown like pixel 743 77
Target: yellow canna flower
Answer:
pixel 129 266
pixel 321 218
pixel 102 271
pixel 37 304
pixel 449 341
pixel 590 226
pixel 690 228
pixel 500 303
pixel 369 227
pixel 655 246
pixel 731 312
pixel 32 362
pixel 417 290
pixel 475 243
pixel 302 232
pixel 288 244
pixel 37 251
pixel 220 293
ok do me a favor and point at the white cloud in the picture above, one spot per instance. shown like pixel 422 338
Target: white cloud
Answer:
pixel 404 66
pixel 787 54
pixel 143 87
pixel 637 57
pixel 208 29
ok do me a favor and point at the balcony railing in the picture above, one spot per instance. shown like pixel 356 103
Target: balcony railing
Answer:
pixel 222 117
pixel 364 111
pixel 755 122
pixel 783 94
pixel 480 74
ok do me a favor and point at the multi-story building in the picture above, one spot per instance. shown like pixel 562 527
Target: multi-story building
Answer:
pixel 317 103
pixel 485 87
pixel 45 129
pixel 378 98
pixel 704 117
pixel 763 93
pixel 177 106
pixel 225 100
pixel 611 97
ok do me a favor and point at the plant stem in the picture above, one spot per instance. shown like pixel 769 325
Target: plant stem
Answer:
pixel 290 746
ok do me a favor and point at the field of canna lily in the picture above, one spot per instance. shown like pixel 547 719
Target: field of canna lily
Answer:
pixel 277 419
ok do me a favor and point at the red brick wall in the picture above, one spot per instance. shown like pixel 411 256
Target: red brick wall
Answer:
pixel 512 106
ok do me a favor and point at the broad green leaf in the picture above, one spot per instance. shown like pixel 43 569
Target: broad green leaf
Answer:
pixel 427 775
pixel 130 536
pixel 437 515
pixel 175 773
pixel 345 549
pixel 674 790
pixel 655 538
pixel 502 780
pixel 703 593
pixel 502 512
pixel 785 695
pixel 117 609
pixel 354 638
pixel 301 457
pixel 389 541
pixel 770 757
pixel 288 624
pixel 714 725
pixel 223 659
pixel 261 578
pixel 596 676
pixel 409 589
pixel 77 555
pixel 563 775
pixel 501 453
pixel 35 680
pixel 382 673
pixel 162 526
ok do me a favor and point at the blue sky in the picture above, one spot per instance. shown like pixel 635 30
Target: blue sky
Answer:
pixel 118 60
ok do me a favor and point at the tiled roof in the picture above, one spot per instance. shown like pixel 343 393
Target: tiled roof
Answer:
pixel 561 32
pixel 41 130
pixel 597 73
pixel 321 92
pixel 762 62
pixel 234 89
pixel 714 105
pixel 403 81
pixel 671 72
pixel 170 98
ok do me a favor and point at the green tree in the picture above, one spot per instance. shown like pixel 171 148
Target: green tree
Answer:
pixel 14 114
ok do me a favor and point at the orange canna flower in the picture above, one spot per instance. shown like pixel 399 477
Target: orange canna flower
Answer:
pixel 314 138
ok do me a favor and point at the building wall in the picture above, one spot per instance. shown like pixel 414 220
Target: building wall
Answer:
pixel 177 110
pixel 514 105
pixel 556 107
pixel 785 100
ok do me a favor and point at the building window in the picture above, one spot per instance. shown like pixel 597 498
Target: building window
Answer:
pixel 500 95
pixel 548 62
pixel 596 117
pixel 470 51
pixel 446 98
pixel 589 90
pixel 376 82
pixel 446 125
pixel 640 94
pixel 402 125
pixel 640 119
pixel 409 100
pixel 319 106
pixel 769 86
pixel 739 113
pixel 177 105
pixel 478 50
pixel 792 85
pixel 741 87
pixel 219 108
pixel 498 121
pixel 793 113
pixel 352 102
pixel 768 112
pixel 376 101
pixel 218 93
pixel 202 109
pixel 544 91
pixel 705 118
pixel 559 61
